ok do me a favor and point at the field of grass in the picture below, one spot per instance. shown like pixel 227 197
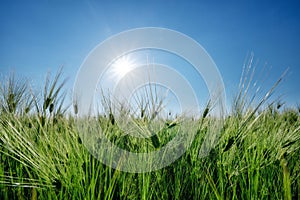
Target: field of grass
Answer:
pixel 43 157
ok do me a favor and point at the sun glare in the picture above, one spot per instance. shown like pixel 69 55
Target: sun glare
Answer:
pixel 122 66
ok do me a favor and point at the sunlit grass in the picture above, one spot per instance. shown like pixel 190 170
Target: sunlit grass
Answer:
pixel 43 157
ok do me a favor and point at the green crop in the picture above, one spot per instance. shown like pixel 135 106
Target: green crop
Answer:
pixel 42 155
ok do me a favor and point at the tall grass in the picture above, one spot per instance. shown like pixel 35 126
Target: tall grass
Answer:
pixel 43 157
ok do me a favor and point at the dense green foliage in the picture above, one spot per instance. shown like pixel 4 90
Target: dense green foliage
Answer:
pixel 42 155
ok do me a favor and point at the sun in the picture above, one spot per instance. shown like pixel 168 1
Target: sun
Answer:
pixel 122 66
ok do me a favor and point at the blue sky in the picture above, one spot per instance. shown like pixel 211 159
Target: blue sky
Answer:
pixel 38 36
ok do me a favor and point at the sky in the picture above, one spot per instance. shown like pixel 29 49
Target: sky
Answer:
pixel 41 36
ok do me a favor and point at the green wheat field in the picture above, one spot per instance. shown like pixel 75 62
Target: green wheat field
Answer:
pixel 43 157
